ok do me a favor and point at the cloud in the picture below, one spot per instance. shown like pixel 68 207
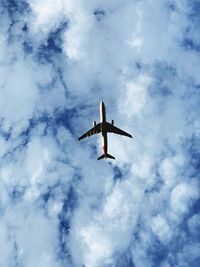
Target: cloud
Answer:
pixel 100 241
pixel 161 228
pixel 182 196
pixel 58 205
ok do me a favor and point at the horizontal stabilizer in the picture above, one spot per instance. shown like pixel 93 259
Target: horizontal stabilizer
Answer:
pixel 106 156
pixel 109 156
pixel 101 157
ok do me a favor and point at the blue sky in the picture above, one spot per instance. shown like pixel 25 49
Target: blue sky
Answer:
pixel 59 206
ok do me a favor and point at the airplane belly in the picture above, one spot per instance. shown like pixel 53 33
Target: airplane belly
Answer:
pixel 102 112
pixel 104 127
pixel 104 144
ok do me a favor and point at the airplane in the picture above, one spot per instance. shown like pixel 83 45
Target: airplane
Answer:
pixel 104 128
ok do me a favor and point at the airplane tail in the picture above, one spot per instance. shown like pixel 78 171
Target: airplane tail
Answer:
pixel 106 156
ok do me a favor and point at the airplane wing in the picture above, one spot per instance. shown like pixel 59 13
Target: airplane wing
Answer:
pixel 113 129
pixel 94 130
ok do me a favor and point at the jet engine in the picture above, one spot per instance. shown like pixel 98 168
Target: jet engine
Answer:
pixel 112 122
pixel 94 123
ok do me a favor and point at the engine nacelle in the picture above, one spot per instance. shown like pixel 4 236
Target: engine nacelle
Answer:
pixel 112 122
pixel 94 123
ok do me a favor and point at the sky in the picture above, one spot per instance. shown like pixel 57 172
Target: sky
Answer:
pixel 59 206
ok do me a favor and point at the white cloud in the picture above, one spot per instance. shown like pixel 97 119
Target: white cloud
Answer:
pixel 18 96
pixel 6 246
pixel 170 169
pixel 161 228
pixel 99 241
pixel 136 96
pixel 194 224
pixel 131 54
pixel 37 248
pixel 46 16
pixel 182 197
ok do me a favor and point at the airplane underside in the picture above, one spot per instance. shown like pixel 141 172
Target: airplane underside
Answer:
pixel 104 127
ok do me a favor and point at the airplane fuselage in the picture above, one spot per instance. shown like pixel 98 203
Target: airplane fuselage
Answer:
pixel 104 128
pixel 103 125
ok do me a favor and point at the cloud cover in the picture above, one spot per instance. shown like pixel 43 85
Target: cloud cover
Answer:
pixel 58 205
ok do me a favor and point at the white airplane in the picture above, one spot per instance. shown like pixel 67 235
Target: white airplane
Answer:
pixel 104 128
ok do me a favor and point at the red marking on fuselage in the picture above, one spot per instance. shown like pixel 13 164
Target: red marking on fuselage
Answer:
pixel 104 150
